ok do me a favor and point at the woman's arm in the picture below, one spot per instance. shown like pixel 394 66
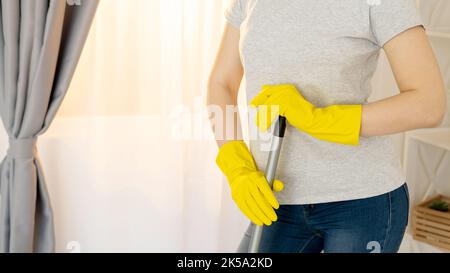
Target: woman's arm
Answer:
pixel 223 86
pixel 249 187
pixel 422 101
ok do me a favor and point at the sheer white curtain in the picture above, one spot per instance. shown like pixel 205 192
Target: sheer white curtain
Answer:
pixel 133 139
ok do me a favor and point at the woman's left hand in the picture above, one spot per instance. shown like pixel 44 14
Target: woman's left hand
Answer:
pixel 338 123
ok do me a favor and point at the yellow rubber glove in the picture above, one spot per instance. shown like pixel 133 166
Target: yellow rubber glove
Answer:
pixel 250 189
pixel 339 123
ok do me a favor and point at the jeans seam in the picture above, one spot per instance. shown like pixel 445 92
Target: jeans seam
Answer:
pixel 388 229
pixel 408 200
pixel 313 230
pixel 306 244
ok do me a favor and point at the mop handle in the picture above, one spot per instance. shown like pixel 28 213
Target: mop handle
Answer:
pixel 271 169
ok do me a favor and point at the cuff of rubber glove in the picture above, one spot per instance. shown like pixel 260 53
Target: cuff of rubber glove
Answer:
pixel 233 157
pixel 356 118
pixel 340 124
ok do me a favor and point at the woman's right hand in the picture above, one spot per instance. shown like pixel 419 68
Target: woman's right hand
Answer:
pixel 249 187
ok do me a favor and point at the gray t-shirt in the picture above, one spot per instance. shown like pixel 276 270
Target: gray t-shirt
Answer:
pixel 329 49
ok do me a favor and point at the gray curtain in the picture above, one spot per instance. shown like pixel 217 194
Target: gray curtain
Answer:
pixel 40 44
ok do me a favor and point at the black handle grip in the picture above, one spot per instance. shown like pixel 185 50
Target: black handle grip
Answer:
pixel 280 127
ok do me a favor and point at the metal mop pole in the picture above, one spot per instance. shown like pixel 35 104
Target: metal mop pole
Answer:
pixel 271 169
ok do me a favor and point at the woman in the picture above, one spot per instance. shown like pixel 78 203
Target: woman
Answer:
pixel 312 62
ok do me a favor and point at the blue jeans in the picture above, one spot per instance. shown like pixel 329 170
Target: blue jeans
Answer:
pixel 373 225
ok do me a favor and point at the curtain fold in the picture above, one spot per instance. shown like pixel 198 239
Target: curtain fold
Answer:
pixel 40 45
